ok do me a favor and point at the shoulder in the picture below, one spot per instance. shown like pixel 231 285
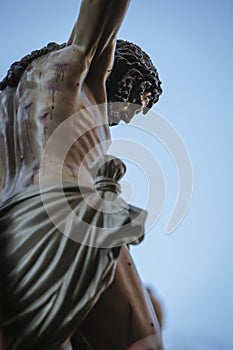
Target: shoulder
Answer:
pixel 67 55
pixel 62 65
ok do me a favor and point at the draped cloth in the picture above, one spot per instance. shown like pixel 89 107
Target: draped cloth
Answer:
pixel 54 269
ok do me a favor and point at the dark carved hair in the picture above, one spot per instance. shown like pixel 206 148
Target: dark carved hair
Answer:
pixel 133 73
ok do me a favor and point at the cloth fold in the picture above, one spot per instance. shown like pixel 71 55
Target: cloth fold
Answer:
pixel 57 254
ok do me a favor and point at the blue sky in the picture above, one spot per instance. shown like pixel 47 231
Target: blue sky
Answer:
pixel 191 44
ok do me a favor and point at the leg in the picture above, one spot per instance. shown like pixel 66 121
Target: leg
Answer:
pixel 124 316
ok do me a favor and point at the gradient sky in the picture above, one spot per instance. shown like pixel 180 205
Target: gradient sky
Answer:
pixel 190 42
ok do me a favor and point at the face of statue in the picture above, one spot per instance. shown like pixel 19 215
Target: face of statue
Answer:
pixel 125 111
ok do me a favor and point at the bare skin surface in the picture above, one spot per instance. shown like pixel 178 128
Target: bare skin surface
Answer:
pixel 55 94
pixel 124 312
pixel 53 88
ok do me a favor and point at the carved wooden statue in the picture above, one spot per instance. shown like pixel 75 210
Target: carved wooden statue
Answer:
pixel 71 276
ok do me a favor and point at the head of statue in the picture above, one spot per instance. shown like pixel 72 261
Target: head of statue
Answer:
pixel 133 85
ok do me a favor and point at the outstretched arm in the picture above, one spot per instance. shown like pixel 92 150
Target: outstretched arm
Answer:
pixel 95 29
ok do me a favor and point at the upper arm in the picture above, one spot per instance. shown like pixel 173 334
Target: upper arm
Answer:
pixel 96 28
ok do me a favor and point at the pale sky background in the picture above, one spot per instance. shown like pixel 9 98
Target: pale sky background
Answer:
pixel 190 42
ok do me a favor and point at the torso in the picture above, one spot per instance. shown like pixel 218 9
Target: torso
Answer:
pixel 51 90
